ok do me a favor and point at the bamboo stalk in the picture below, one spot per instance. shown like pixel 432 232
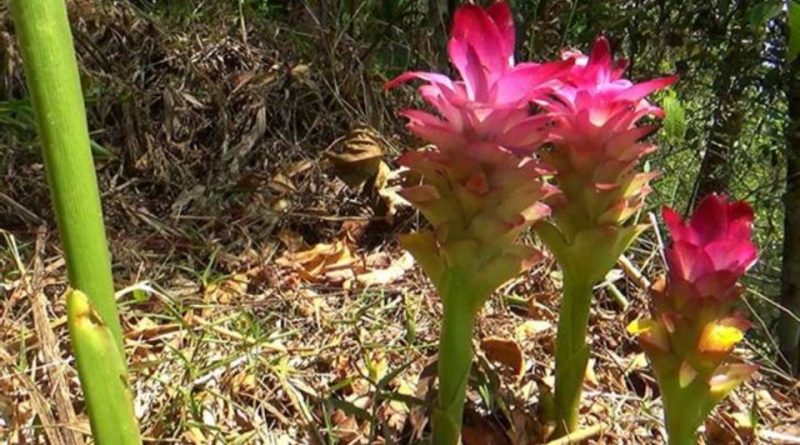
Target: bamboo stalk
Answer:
pixel 103 374
pixel 54 85
pixel 51 71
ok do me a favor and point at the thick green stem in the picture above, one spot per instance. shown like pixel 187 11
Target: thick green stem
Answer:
pixel 681 433
pixel 45 42
pixel 684 408
pixel 572 352
pixel 455 362
pixel 103 374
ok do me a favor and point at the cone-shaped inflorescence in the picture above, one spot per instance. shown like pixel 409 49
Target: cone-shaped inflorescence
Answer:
pixel 596 147
pixel 472 185
pixel 694 329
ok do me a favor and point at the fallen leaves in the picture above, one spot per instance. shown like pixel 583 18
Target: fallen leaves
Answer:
pixel 507 352
pixel 360 159
pixel 323 262
pixel 359 163
pixel 337 263
pixel 390 274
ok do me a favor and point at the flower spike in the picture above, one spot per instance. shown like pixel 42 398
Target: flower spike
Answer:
pixel 692 313
pixel 490 101
pixel 476 186
pixel 597 143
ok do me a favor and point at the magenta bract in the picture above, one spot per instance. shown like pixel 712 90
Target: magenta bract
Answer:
pixel 713 250
pixel 490 101
pixel 597 140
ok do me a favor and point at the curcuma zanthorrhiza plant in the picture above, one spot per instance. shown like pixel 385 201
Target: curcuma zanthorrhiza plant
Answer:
pixel 475 186
pixel 690 338
pixel 597 143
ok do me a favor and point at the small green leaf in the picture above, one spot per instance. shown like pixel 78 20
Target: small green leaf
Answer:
pixel 793 48
pixel 101 152
pixel 675 119
pixel 140 296
pixel 760 14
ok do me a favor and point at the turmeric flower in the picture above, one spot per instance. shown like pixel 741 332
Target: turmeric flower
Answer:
pixel 490 101
pixel 692 334
pixel 473 186
pixel 597 142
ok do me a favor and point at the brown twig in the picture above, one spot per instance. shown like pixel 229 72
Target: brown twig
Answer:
pixel 633 272
pixel 22 211
pixel 50 349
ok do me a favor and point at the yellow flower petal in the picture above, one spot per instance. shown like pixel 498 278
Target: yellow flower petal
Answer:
pixel 719 338
pixel 641 326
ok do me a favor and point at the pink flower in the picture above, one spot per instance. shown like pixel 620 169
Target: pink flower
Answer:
pixel 693 333
pixel 597 111
pixel 713 250
pixel 490 102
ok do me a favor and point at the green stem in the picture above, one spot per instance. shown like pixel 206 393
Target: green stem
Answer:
pixel 684 408
pixel 455 362
pixel 681 433
pixel 572 352
pixel 45 42
pixel 103 375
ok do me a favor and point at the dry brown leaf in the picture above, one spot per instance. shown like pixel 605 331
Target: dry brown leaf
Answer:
pixel 224 292
pixel 359 163
pixel 480 430
pixel 346 426
pixel 418 417
pixel 353 230
pixel 298 167
pixel 293 241
pixel 360 159
pixel 396 412
pixel 323 262
pixel 390 196
pixel 282 183
pixel 506 352
pixel 388 275
pixel 258 77
pixel 736 425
